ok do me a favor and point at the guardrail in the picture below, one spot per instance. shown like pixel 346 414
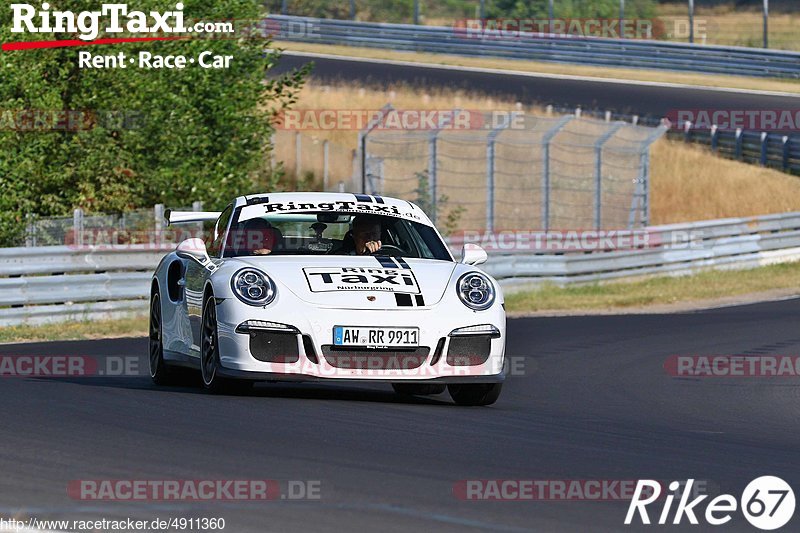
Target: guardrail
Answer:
pixel 595 51
pixel 59 283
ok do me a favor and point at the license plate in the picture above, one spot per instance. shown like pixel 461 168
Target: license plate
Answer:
pixel 377 337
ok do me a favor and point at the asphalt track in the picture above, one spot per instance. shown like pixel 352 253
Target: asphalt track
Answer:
pixel 593 402
pixel 645 100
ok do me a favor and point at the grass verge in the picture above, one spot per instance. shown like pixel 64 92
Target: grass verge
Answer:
pixel 657 76
pixel 102 329
pixel 703 287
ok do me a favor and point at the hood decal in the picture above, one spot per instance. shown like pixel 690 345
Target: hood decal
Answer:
pixel 333 279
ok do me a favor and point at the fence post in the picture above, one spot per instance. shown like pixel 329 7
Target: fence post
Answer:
pixel 785 158
pixel 687 128
pixel 432 156
pixel 764 139
pixel 490 184
pixel 298 154
pixel 77 226
pixel 546 138
pixel 738 149
pixel 714 138
pixel 272 152
pixel 158 215
pixel 362 142
pixel 325 156
pixel 30 231
pixel 598 172
pixel 432 173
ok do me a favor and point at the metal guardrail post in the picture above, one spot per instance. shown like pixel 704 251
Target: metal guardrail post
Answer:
pixel 687 131
pixel 490 182
pixel 764 140
pixel 432 163
pixel 598 171
pixel 660 131
pixel 546 138
pixel 362 143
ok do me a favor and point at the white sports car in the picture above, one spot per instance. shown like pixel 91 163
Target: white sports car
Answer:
pixel 327 286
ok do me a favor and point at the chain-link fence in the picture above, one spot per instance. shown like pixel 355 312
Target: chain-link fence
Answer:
pixel 532 172
pixel 140 226
pixel 330 166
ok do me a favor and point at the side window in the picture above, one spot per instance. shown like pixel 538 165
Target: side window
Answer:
pixel 220 228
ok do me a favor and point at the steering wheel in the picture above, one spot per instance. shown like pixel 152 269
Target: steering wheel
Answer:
pixel 390 249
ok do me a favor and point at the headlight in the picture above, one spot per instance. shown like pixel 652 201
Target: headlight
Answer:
pixel 476 291
pixel 253 287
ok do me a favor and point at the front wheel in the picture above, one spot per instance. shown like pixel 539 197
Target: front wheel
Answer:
pixel 209 355
pixel 475 394
pixel 160 373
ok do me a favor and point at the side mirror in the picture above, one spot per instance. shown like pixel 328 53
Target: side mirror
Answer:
pixel 194 249
pixel 472 254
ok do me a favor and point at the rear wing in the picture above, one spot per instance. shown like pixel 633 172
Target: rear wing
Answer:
pixel 188 217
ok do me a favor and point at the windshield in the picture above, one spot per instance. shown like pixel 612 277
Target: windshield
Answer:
pixel 327 233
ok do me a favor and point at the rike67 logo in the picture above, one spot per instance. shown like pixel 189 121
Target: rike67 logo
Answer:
pixel 767 503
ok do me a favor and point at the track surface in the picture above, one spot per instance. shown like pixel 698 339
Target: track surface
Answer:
pixel 621 98
pixel 594 403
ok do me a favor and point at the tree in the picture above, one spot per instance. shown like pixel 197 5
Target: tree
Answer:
pixel 148 135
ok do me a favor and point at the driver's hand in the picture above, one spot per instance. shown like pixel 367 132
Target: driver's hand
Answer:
pixel 373 246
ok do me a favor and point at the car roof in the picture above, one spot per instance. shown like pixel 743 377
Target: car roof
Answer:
pixel 299 202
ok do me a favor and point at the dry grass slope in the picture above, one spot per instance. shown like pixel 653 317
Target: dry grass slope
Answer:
pixel 688 181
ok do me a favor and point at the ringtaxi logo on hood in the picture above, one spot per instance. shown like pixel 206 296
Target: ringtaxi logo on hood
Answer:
pixel 87 24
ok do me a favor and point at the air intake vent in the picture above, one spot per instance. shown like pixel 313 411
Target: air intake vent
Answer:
pixel 274 347
pixel 469 350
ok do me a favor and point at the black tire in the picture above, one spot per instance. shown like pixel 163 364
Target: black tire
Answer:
pixel 475 394
pixel 209 356
pixel 418 389
pixel 160 372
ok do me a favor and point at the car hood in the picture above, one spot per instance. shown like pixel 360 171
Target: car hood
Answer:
pixel 358 282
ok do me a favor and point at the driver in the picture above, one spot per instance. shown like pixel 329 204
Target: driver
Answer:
pixel 366 235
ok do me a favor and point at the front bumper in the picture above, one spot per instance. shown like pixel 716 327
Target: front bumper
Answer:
pixel 435 324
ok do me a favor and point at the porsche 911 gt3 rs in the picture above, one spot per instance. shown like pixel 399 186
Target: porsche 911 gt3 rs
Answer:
pixel 327 287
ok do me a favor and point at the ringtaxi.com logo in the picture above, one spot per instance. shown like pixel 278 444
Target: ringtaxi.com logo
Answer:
pixel 767 503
